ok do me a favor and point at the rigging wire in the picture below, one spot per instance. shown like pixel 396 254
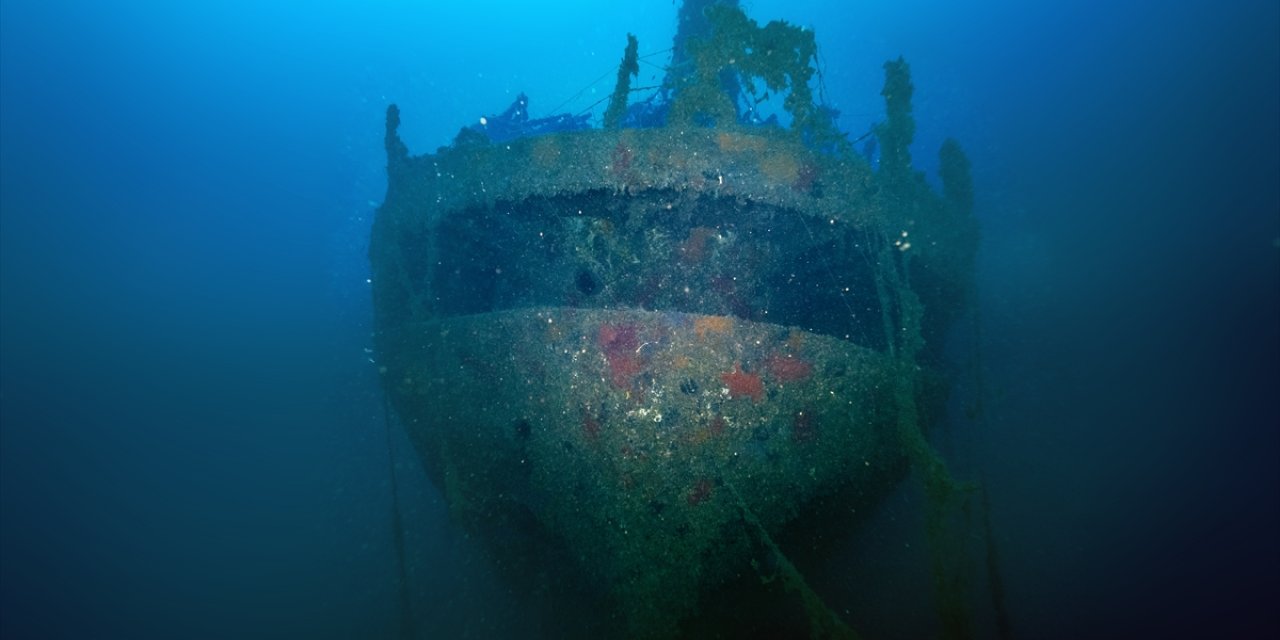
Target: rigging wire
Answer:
pixel 606 74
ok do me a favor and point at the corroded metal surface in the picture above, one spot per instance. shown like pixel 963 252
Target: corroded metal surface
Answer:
pixel 628 436
pixel 641 362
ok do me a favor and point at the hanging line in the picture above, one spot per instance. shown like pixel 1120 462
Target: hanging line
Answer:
pixel 979 423
pixel 397 528
pixel 606 74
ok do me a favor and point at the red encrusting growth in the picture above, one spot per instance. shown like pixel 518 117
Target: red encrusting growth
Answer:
pixel 742 384
pixel 620 343
pixel 717 425
pixel 700 492
pixel 694 248
pixel 807 178
pixel 786 368
pixel 621 159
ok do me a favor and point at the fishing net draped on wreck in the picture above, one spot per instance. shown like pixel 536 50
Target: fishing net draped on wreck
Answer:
pixel 643 363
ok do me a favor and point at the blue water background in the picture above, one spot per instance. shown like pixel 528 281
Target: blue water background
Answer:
pixel 191 435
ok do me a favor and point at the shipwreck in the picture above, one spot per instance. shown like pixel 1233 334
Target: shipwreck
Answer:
pixel 653 362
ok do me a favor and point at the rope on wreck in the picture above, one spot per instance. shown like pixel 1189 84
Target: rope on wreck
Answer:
pixel 824 623
pixel 978 414
pixel 946 498
pixel 397 528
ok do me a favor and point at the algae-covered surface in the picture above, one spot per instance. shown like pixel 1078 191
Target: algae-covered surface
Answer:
pixel 626 437
pixel 634 359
